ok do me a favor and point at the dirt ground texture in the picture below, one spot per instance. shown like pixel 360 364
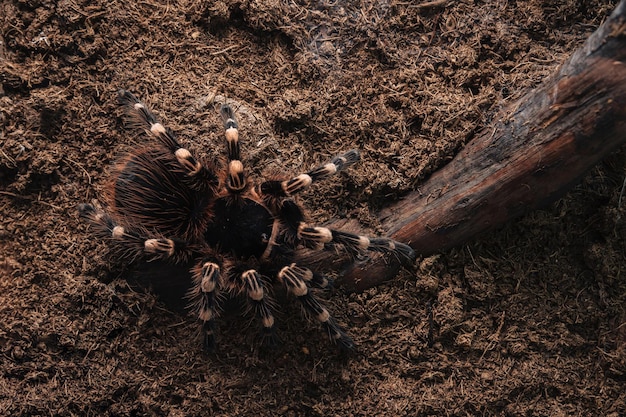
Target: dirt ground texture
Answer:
pixel 526 320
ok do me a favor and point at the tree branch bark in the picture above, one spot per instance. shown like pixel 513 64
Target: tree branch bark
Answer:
pixel 538 148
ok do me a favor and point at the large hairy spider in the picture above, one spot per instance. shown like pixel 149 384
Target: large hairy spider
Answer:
pixel 163 203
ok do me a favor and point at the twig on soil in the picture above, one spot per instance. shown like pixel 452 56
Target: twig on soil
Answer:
pixel 9 159
pixel 429 4
pixel 24 197
pixel 223 51
pixel 81 167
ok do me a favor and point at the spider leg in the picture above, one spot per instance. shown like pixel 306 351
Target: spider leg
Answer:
pixel 319 238
pixel 200 178
pixel 321 281
pixel 277 188
pixel 296 280
pixel 251 282
pixel 236 179
pixel 206 281
pixel 132 243
pixel 316 237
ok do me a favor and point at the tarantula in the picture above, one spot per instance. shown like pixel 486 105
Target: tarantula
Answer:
pixel 163 203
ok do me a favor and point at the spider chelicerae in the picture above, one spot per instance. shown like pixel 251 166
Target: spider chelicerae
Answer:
pixel 163 203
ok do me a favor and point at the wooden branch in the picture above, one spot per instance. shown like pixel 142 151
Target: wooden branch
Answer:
pixel 536 150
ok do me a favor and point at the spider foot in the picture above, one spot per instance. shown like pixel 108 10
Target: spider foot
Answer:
pixel 337 335
pixel 209 342
pixel 268 338
pixel 403 252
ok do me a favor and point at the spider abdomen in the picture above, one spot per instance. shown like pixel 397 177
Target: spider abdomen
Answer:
pixel 242 227
pixel 149 191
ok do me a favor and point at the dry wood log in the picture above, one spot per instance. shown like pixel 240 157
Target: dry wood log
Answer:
pixel 536 150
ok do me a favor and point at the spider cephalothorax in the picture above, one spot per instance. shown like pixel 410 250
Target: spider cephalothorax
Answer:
pixel 163 203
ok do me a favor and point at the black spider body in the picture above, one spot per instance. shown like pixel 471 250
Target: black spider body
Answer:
pixel 241 229
pixel 162 203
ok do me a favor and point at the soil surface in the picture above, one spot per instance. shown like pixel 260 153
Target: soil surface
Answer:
pixel 527 320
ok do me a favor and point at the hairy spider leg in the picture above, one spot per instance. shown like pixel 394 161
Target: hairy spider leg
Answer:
pixel 206 282
pixel 132 243
pixel 278 188
pixel 315 237
pixel 296 280
pixel 251 282
pixel 199 177
pixel 323 238
pixel 236 179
